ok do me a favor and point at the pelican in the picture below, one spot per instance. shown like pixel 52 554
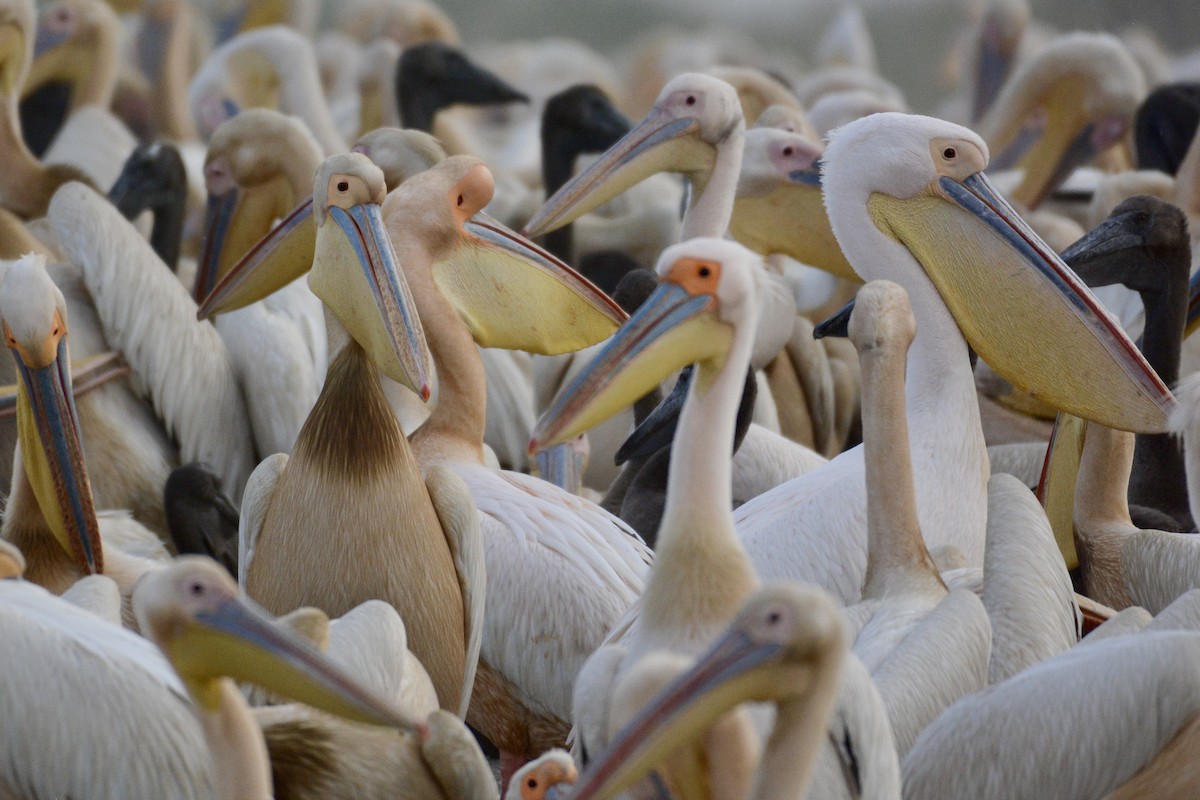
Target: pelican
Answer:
pixel 423 567
pixel 258 169
pixel 704 311
pixel 1144 245
pixel 154 178
pixel 79 41
pixel 906 611
pixel 86 662
pixel 787 646
pixel 26 184
pixel 200 517
pixel 163 47
pixel 1081 92
pixel 877 170
pixel 1164 564
pixel 537 305
pixel 183 368
pixel 193 613
pixel 269 67
pixel 1060 729
pixel 50 515
pixel 696 127
pixel 522 704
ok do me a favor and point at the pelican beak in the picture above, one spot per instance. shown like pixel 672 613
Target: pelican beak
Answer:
pixel 791 219
pixel 1021 308
pixel 1093 250
pixel 46 39
pixel 276 260
pixel 1066 142
pixel 996 55
pixel 561 466
pixel 1056 485
pixel 354 272
pixel 733 670
pixel 659 143
pixel 52 452
pixel 239 640
pixel 515 295
pixel 1193 311
pixel 12 57
pixel 233 226
pixel 670 330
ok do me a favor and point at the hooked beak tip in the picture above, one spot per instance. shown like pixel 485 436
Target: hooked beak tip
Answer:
pixel 425 392
pixel 533 447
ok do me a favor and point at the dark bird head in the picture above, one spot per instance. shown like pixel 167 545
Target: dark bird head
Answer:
pixel 584 119
pixel 1143 244
pixel 201 519
pixel 434 75
pixel 658 430
pixel 153 177
pixel 1165 125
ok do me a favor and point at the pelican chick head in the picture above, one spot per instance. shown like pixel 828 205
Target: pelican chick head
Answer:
pixel 885 320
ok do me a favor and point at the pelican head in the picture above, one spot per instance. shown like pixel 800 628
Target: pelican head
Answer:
pixel 400 152
pixel 354 270
pixel 707 288
pixel 778 207
pixel 259 169
pixel 541 778
pixel 34 316
pixel 70 34
pixel 693 114
pixel 1071 102
pixel 908 201
pixel 508 291
pixel 192 611
pixel 787 642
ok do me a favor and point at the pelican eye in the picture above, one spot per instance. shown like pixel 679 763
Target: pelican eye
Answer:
pixel 787 151
pixel 343 186
pixel 705 272
pixel 197 588
pixel 949 153
pixel 531 783
pixel 460 199
pixel 774 617
pixel 691 100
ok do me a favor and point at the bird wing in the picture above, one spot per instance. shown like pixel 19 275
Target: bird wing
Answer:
pixel 259 490
pixel 560 573
pixel 1159 567
pixel 944 657
pixel 1026 587
pixel 104 640
pixel 95 142
pixel 275 370
pixel 460 522
pixel 145 312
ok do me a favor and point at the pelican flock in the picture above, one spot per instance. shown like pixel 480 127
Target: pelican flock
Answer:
pixel 285 288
